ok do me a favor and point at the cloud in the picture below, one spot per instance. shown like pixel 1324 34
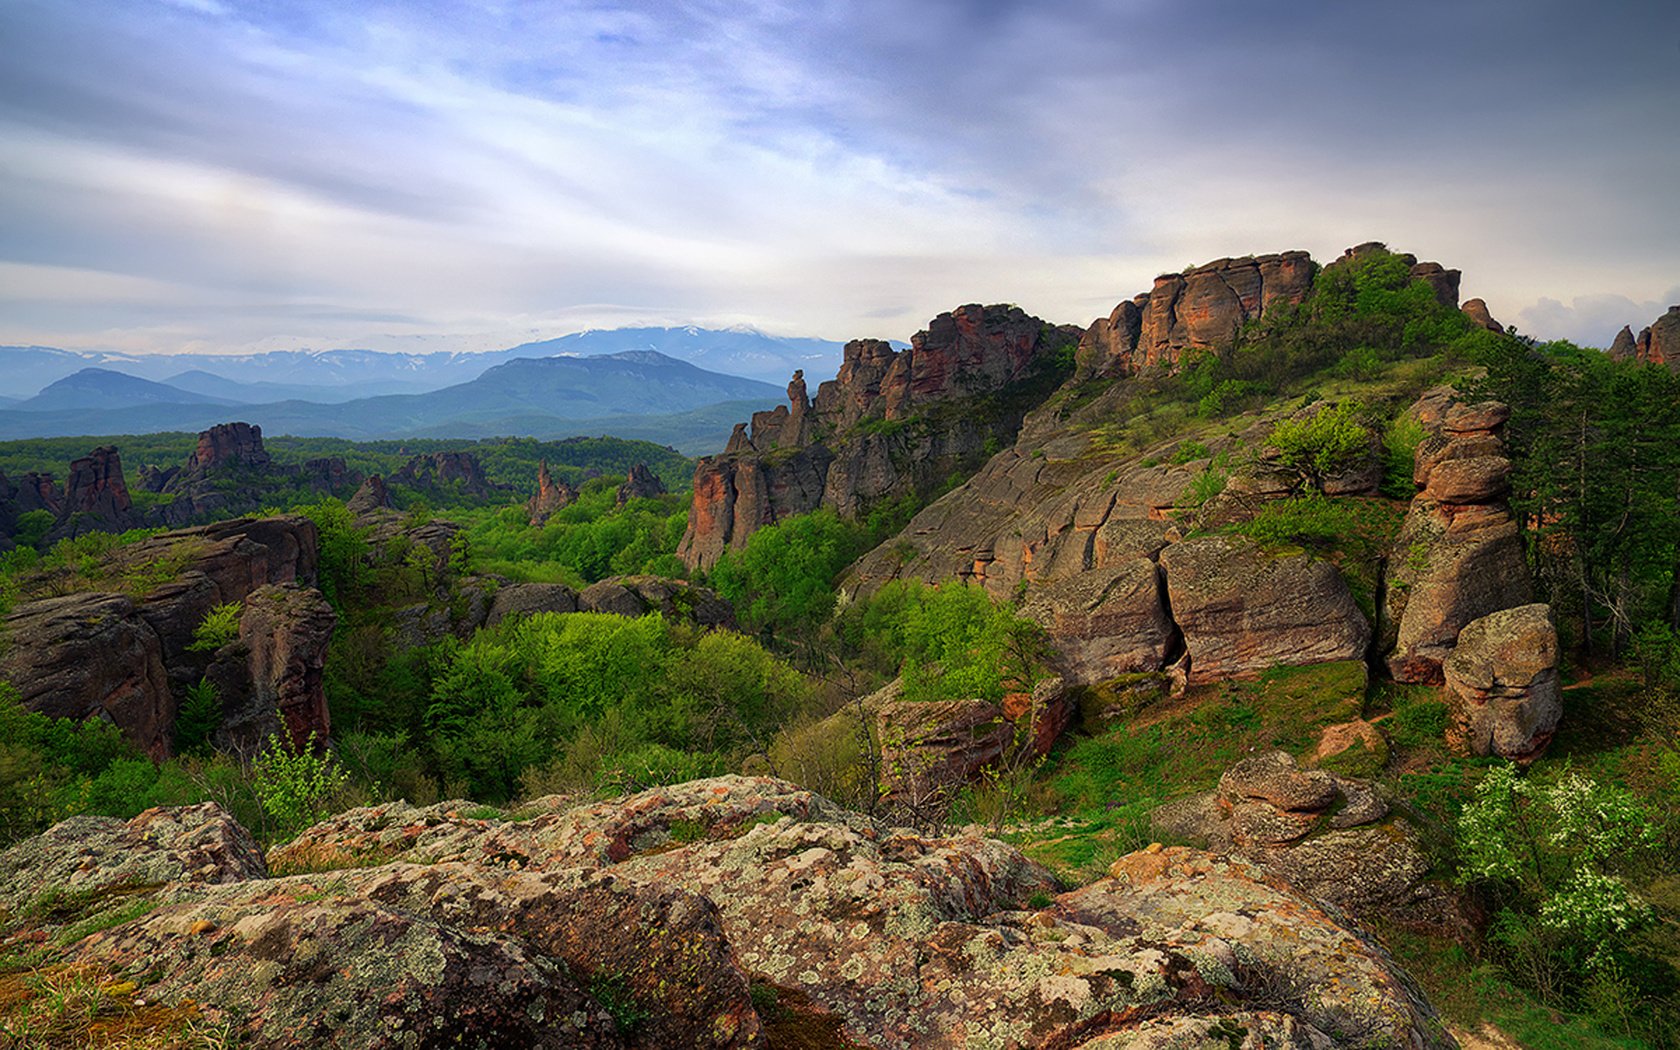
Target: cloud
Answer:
pixel 1593 320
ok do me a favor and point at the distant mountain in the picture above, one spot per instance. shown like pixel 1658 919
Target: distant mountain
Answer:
pixel 100 389
pixel 736 351
pixel 643 393
pixel 340 375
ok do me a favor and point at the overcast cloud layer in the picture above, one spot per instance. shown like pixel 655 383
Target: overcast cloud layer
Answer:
pixel 217 175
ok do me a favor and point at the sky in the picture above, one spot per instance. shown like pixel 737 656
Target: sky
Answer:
pixel 220 175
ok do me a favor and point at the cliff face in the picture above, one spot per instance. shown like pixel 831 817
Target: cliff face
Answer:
pixel 888 425
pixel 1660 343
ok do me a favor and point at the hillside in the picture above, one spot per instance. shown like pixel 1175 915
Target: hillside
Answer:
pixel 101 390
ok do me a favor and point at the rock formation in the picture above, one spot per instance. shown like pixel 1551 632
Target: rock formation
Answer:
pixel 271 678
pixel 94 498
pixel 371 497
pixel 1459 555
pixel 228 446
pixel 1660 343
pixel 1477 311
pixel 231 472
pixel 682 898
pixel 1108 622
pixel 640 483
pixel 451 472
pixel 890 425
pixel 1502 684
pixel 551 496
pixel 1329 836
pixel 1201 308
pixel 125 659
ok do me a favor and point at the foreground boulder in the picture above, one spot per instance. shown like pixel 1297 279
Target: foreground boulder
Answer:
pixel 1502 684
pixel 711 913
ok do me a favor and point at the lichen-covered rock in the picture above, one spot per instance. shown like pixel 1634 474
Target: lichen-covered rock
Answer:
pixel 526 599
pixel 930 749
pixel 1502 684
pixel 79 862
pixel 1243 609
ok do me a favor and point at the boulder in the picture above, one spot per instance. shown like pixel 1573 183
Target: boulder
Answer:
pixel 371 497
pixel 1477 311
pixel 1333 838
pixel 1106 622
pixel 526 599
pixel 665 904
pixel 92 862
pixel 673 599
pixel 1502 684
pixel 931 749
pixel 1243 609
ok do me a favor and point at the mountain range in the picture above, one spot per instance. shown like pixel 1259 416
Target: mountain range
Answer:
pixel 682 386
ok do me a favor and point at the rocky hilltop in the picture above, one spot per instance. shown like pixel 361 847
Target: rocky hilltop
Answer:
pixel 1657 344
pixel 891 424
pixel 733 912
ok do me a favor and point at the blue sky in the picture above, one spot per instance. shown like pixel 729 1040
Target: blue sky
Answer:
pixel 218 175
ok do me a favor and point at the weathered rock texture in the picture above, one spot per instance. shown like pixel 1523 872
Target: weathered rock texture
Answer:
pixel 1477 311
pixel 126 659
pixel 1502 684
pixel 271 679
pixel 1201 308
pixel 1459 555
pixel 231 472
pixel 673 900
pixel 1332 837
pixel 444 472
pixel 1108 622
pixel 892 424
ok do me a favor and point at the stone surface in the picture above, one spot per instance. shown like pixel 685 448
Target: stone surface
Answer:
pixel 271 679
pixel 1243 609
pixel 1108 622
pixel 674 599
pixel 672 900
pixel 1477 311
pixel 444 472
pixel 371 497
pixel 931 749
pixel 1624 346
pixel 1502 684
pixel 1660 343
pixel 526 599
pixel 85 859
pixel 1331 837
pixel 1459 555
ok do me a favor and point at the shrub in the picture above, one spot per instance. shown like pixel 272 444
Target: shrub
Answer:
pixel 296 784
pixel 220 627
pixel 1321 444
pixel 199 716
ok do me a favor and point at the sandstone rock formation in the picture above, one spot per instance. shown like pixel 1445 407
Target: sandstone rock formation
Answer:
pixel 231 472
pixel 1477 311
pixel 640 483
pixel 551 496
pixel 1660 343
pixel 1331 837
pixel 517 933
pixel 1502 684
pixel 371 497
pixel 1243 609
pixel 99 654
pixel 1459 555
pixel 1623 346
pixel 228 445
pixel 271 678
pixel 1201 308
pixel 1107 622
pixel 94 498
pixel 889 425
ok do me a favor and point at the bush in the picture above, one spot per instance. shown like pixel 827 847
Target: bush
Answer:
pixel 199 716
pixel 1322 444
pixel 296 784
pixel 220 627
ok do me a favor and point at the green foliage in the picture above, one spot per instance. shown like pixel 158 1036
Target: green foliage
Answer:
pixel 32 527
pixel 296 784
pixel 1205 486
pixel 220 627
pixel 343 549
pixel 199 716
pixel 1400 442
pixel 1420 724
pixel 948 642
pixel 1189 451
pixel 587 541
pixel 1322 444
pixel 782 582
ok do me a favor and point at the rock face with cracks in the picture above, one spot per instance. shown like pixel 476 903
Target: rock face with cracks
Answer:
pixel 1502 684
pixel 707 914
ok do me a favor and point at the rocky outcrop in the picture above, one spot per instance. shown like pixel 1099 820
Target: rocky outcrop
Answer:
pixel 1333 838
pixel 640 483
pixel 271 678
pixel 94 654
pixel 1477 311
pixel 371 497
pixel 672 901
pixel 231 472
pixel 551 496
pixel 1459 555
pixel 1623 346
pixel 889 426
pixel 673 599
pixel 95 494
pixel 228 446
pixel 1107 622
pixel 444 472
pixel 1201 308
pixel 931 749
pixel 1243 609
pixel 1502 684
pixel 1660 343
